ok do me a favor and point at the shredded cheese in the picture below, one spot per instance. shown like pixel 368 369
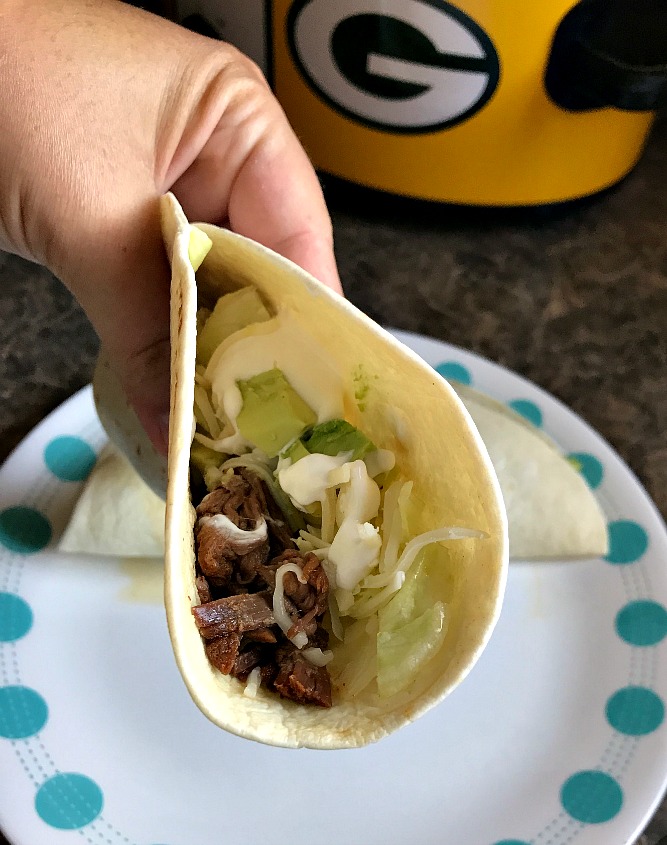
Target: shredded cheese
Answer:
pixel 366 607
pixel 317 657
pixel 205 414
pixel 279 610
pixel 253 682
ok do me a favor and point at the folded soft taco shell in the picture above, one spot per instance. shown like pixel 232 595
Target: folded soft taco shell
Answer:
pixel 407 408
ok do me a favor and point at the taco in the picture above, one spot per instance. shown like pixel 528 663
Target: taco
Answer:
pixel 336 542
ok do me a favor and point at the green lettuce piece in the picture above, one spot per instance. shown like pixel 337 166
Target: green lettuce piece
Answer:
pixel 427 580
pixel 336 436
pixel 295 451
pixel 402 653
pixel 409 602
pixel 204 458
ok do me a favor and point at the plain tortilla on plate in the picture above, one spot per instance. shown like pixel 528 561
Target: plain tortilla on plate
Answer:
pixel 552 513
pixel 116 514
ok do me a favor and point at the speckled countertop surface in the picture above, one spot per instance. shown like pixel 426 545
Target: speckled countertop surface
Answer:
pixel 574 299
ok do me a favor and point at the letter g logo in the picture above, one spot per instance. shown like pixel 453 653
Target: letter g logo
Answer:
pixel 405 66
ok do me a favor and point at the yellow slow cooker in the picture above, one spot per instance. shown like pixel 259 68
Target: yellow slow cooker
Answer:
pixel 475 102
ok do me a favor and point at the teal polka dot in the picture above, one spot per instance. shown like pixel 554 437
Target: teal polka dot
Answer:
pixel 627 541
pixel 591 797
pixel 69 458
pixel 635 711
pixel 642 623
pixel 511 842
pixel 527 409
pixel 69 801
pixel 24 530
pixel 15 617
pixel 454 371
pixel 23 712
pixel 589 466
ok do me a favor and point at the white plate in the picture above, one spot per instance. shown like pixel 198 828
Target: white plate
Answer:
pixel 555 738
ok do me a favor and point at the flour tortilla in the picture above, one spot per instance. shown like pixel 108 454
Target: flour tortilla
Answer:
pixel 116 514
pixel 409 409
pixel 552 513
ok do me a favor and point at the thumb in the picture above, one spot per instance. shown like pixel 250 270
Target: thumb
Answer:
pixel 121 278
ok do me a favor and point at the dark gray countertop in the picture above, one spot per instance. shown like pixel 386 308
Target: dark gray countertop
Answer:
pixel 574 299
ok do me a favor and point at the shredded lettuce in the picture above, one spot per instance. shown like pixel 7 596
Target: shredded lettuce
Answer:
pixel 392 524
pixel 204 413
pixel 355 664
pixel 414 597
pixel 402 653
pixel 437 535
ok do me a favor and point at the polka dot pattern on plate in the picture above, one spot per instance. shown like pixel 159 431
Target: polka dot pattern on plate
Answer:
pixel 591 797
pixel 529 410
pixel 454 371
pixel 635 711
pixel 15 617
pixel 68 801
pixel 69 458
pixel 627 541
pixel 23 712
pixel 511 842
pixel 642 623
pixel 24 530
pixel 589 466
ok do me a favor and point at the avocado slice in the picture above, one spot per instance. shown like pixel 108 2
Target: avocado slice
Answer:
pixel 199 245
pixel 273 413
pixel 232 312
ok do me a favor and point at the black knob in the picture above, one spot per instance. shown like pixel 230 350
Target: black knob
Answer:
pixel 610 53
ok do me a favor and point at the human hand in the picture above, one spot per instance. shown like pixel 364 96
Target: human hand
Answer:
pixel 104 108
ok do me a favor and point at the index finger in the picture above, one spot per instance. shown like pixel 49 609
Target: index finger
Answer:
pixel 249 170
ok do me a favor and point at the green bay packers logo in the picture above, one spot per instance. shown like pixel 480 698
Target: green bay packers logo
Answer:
pixel 405 66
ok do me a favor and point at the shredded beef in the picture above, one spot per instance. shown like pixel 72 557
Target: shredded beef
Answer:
pixel 279 533
pixel 234 614
pixel 246 661
pixel 218 555
pixel 225 499
pixel 235 582
pixel 241 499
pixel 267 574
pixel 306 623
pixel 248 567
pixel 268 672
pixel 278 529
pixel 203 589
pixel 222 652
pixel 262 635
pixel 214 553
pixel 309 599
pixel 299 680
pixel 320 639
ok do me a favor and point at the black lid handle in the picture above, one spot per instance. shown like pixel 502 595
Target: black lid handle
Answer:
pixel 610 53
